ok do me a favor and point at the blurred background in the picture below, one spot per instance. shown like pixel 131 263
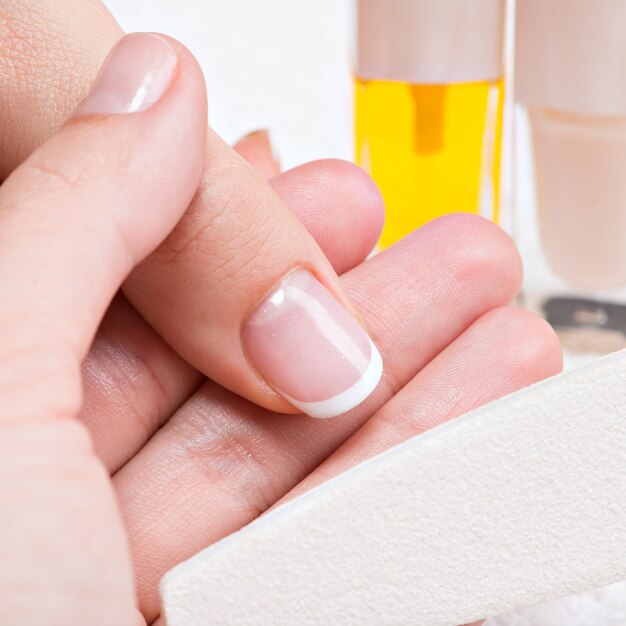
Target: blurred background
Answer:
pixel 284 66
pixel 287 66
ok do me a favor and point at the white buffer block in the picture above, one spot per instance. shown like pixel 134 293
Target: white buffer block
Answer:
pixel 518 502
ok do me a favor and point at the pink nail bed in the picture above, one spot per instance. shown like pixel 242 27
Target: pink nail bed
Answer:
pixel 310 349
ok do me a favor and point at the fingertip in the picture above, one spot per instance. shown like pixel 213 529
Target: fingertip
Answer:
pixel 357 180
pixel 339 204
pixel 483 251
pixel 190 79
pixel 365 191
pixel 531 345
pixel 547 352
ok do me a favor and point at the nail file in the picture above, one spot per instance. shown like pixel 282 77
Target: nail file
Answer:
pixel 518 502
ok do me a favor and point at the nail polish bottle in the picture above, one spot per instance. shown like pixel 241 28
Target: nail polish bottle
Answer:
pixel 570 166
pixel 428 78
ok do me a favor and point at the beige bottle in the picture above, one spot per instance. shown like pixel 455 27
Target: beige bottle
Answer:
pixel 570 166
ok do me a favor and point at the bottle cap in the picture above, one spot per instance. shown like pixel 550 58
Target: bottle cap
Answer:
pixel 571 55
pixel 430 41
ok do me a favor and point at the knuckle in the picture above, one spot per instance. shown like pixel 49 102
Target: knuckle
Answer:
pixel 58 170
pixel 48 177
pixel 228 457
pixel 119 377
pixel 228 225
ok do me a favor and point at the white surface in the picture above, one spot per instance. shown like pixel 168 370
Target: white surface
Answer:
pixel 270 64
pixel 605 607
pixel 515 503
pixel 286 66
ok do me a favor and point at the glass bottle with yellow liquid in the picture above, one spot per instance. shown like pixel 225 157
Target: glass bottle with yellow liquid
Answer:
pixel 428 106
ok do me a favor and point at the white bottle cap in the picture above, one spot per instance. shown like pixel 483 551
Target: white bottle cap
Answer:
pixel 571 55
pixel 430 41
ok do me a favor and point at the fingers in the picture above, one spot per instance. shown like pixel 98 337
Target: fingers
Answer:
pixel 220 462
pixel 238 234
pixel 256 148
pixel 241 290
pixel 70 45
pixel 134 381
pixel 503 351
pixel 341 207
pixel 74 222
pixel 215 276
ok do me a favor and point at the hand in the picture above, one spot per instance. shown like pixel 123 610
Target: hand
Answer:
pixel 190 460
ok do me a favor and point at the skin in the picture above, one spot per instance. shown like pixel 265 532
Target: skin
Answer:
pixel 118 458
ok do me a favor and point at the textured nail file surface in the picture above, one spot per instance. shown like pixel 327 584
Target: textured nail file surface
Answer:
pixel 518 502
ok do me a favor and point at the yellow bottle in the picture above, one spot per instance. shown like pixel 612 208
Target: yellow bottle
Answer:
pixel 428 106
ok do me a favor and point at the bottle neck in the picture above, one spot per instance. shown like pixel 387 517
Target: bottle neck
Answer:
pixel 430 41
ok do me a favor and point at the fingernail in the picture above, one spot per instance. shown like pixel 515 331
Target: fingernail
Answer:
pixel 263 137
pixel 133 77
pixel 310 349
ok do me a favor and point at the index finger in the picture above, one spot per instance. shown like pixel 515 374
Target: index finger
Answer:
pixel 243 292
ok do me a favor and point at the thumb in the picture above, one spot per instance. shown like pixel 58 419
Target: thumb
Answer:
pixel 76 217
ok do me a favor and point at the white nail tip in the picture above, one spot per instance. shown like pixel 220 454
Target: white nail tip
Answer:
pixel 351 397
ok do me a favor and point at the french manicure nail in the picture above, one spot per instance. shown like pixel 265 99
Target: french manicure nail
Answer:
pixel 133 77
pixel 310 349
